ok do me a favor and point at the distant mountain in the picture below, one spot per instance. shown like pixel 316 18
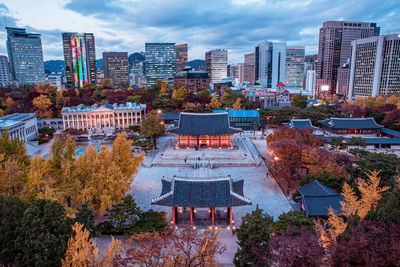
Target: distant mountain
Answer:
pixel 197 64
pixel 54 66
pixel 135 57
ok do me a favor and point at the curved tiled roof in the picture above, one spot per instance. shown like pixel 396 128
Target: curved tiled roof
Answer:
pixel 350 123
pixel 201 192
pixel 203 124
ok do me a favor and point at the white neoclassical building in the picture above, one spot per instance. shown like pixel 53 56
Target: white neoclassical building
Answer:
pixel 103 118
pixel 20 125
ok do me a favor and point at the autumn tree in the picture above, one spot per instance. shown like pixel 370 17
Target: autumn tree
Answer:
pixel 180 93
pixel 42 104
pixel 182 247
pixel 299 135
pixel 215 104
pixel 237 104
pixel 38 183
pixel 122 155
pixel 369 244
pixel 254 232
pixel 318 160
pixel 293 249
pixel 82 251
pixel 152 127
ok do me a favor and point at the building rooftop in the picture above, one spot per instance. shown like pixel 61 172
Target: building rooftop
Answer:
pixel 319 205
pixel 301 124
pixel 203 124
pixel 15 119
pixel 9 123
pixel 390 132
pixel 115 106
pixel 233 113
pixel 201 192
pixel 350 123
pixel 315 188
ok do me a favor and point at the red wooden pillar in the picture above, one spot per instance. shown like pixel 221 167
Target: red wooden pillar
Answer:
pixel 198 140
pixel 179 141
pixel 173 216
pixel 213 216
pixel 229 142
pixel 209 141
pixel 219 140
pixel 191 215
pixel 230 215
pixel 188 140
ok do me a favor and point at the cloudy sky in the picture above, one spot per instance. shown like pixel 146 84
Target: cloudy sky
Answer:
pixel 236 25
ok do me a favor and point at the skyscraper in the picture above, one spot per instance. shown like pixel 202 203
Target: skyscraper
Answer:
pixel 310 82
pixel 160 62
pixel 116 67
pixel 375 66
pixel 295 67
pixel 249 68
pixel 236 71
pixel 25 55
pixel 5 74
pixel 80 59
pixel 270 60
pixel 334 52
pixel 181 57
pixel 217 65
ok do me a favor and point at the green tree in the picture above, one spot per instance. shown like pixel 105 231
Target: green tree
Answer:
pixel 299 101
pixel 124 215
pixel 292 218
pixel 254 232
pixel 85 217
pixel 43 234
pixel 152 127
pixel 357 141
pixel 150 221
pixel 11 212
pixel 388 208
pixel 338 143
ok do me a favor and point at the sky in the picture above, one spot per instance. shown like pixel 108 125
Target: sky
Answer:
pixel 235 25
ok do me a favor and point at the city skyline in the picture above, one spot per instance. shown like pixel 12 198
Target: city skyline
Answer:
pixel 204 26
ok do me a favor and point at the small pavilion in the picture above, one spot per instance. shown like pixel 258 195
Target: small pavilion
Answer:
pixel 204 129
pixel 212 193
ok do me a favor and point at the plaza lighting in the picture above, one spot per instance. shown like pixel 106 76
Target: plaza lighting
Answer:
pixel 159 111
pixel 194 227
pixel 276 158
pixel 229 228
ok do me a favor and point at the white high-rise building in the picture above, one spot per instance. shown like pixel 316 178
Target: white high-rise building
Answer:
pixel 217 65
pixel 5 73
pixel 270 59
pixel 310 82
pixel 375 66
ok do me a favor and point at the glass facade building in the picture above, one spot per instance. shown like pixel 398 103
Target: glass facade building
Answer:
pixel 80 59
pixel 270 63
pixel 25 55
pixel 181 57
pixel 116 67
pixel 295 67
pixel 160 62
pixel 375 66
pixel 217 65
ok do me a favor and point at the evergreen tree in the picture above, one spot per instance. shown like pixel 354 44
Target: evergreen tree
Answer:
pixel 124 215
pixel 43 234
pixel 85 217
pixel 253 233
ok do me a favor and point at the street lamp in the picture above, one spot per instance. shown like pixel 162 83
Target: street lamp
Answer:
pixel 276 158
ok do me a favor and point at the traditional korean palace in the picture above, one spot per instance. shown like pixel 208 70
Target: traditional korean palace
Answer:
pixel 350 126
pixel 103 118
pixel 192 193
pixel 316 199
pixel 204 129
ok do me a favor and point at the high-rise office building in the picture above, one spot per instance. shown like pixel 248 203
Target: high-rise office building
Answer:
pixel 236 71
pixel 217 65
pixel 375 66
pixel 80 59
pixel 25 55
pixel 295 66
pixel 249 68
pixel 181 57
pixel 307 66
pixel 5 74
pixel 160 62
pixel 310 82
pixel 116 67
pixel 270 64
pixel 334 50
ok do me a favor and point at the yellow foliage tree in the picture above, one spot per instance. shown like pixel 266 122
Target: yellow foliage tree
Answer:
pixel 11 177
pixel 122 155
pixel 82 252
pixel 371 193
pixel 214 102
pixel 9 104
pixel 42 104
pixel 180 93
pixel 38 183
pixel 237 104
